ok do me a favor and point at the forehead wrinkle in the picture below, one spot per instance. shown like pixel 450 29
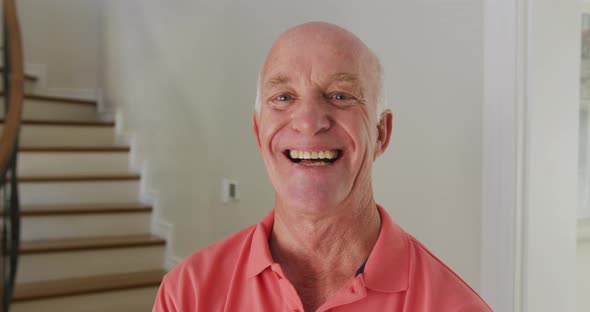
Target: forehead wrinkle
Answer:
pixel 328 38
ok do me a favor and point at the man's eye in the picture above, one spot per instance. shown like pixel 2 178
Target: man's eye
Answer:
pixel 341 96
pixel 281 101
pixel 283 98
pixel 341 99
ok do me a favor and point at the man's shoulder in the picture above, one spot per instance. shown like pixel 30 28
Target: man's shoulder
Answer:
pixel 201 279
pixel 213 260
pixel 432 275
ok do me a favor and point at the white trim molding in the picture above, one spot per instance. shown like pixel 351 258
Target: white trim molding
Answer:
pixel 530 107
pixel 147 194
pixel 550 163
pixel 166 230
pixel 501 216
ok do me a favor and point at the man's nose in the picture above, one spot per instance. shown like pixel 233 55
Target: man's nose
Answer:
pixel 311 117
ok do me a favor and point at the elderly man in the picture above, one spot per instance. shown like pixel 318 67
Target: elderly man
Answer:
pixel 320 123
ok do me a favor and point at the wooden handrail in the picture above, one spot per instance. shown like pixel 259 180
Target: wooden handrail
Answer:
pixel 16 91
pixel 14 84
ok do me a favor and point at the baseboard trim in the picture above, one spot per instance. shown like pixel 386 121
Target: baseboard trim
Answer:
pixel 165 230
pixel 171 262
pixel 147 194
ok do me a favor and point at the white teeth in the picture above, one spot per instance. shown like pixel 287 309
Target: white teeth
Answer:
pixel 295 154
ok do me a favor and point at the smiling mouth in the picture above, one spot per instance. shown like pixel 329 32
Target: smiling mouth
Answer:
pixel 313 158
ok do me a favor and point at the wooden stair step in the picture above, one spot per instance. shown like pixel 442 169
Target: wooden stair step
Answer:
pixel 87 285
pixel 81 209
pixel 39 122
pixel 58 99
pixel 89 243
pixel 75 149
pixel 55 210
pixel 69 133
pixel 127 300
pixel 77 192
pixel 84 225
pixel 80 178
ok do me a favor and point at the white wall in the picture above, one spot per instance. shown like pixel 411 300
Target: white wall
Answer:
pixel 62 36
pixel 165 67
pixel 183 76
pixel 583 243
pixel 550 155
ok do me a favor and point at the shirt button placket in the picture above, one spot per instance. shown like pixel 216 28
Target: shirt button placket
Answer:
pixel 290 295
pixel 287 291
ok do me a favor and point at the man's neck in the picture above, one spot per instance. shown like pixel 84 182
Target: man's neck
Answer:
pixel 319 255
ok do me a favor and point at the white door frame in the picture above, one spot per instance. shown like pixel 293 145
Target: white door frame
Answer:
pixel 529 154
pixel 501 217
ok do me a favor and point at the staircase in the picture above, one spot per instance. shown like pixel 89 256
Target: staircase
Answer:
pixel 86 238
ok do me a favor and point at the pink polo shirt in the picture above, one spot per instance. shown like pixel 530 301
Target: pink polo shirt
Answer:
pixel 239 274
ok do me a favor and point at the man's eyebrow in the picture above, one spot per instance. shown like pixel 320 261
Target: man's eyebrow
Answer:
pixel 345 77
pixel 281 79
pixel 277 80
pixel 350 78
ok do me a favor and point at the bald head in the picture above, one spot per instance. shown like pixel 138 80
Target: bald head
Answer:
pixel 325 40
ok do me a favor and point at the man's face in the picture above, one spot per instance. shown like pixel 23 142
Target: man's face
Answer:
pixel 317 128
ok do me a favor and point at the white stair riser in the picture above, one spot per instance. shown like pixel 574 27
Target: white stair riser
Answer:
pixel 48 110
pixel 75 226
pixel 71 264
pixel 57 135
pixel 133 300
pixel 79 192
pixel 62 163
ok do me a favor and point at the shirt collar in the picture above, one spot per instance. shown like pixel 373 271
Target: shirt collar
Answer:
pixel 388 266
pixel 260 257
pixel 386 269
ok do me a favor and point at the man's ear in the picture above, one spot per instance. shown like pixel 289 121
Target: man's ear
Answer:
pixel 255 127
pixel 384 126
